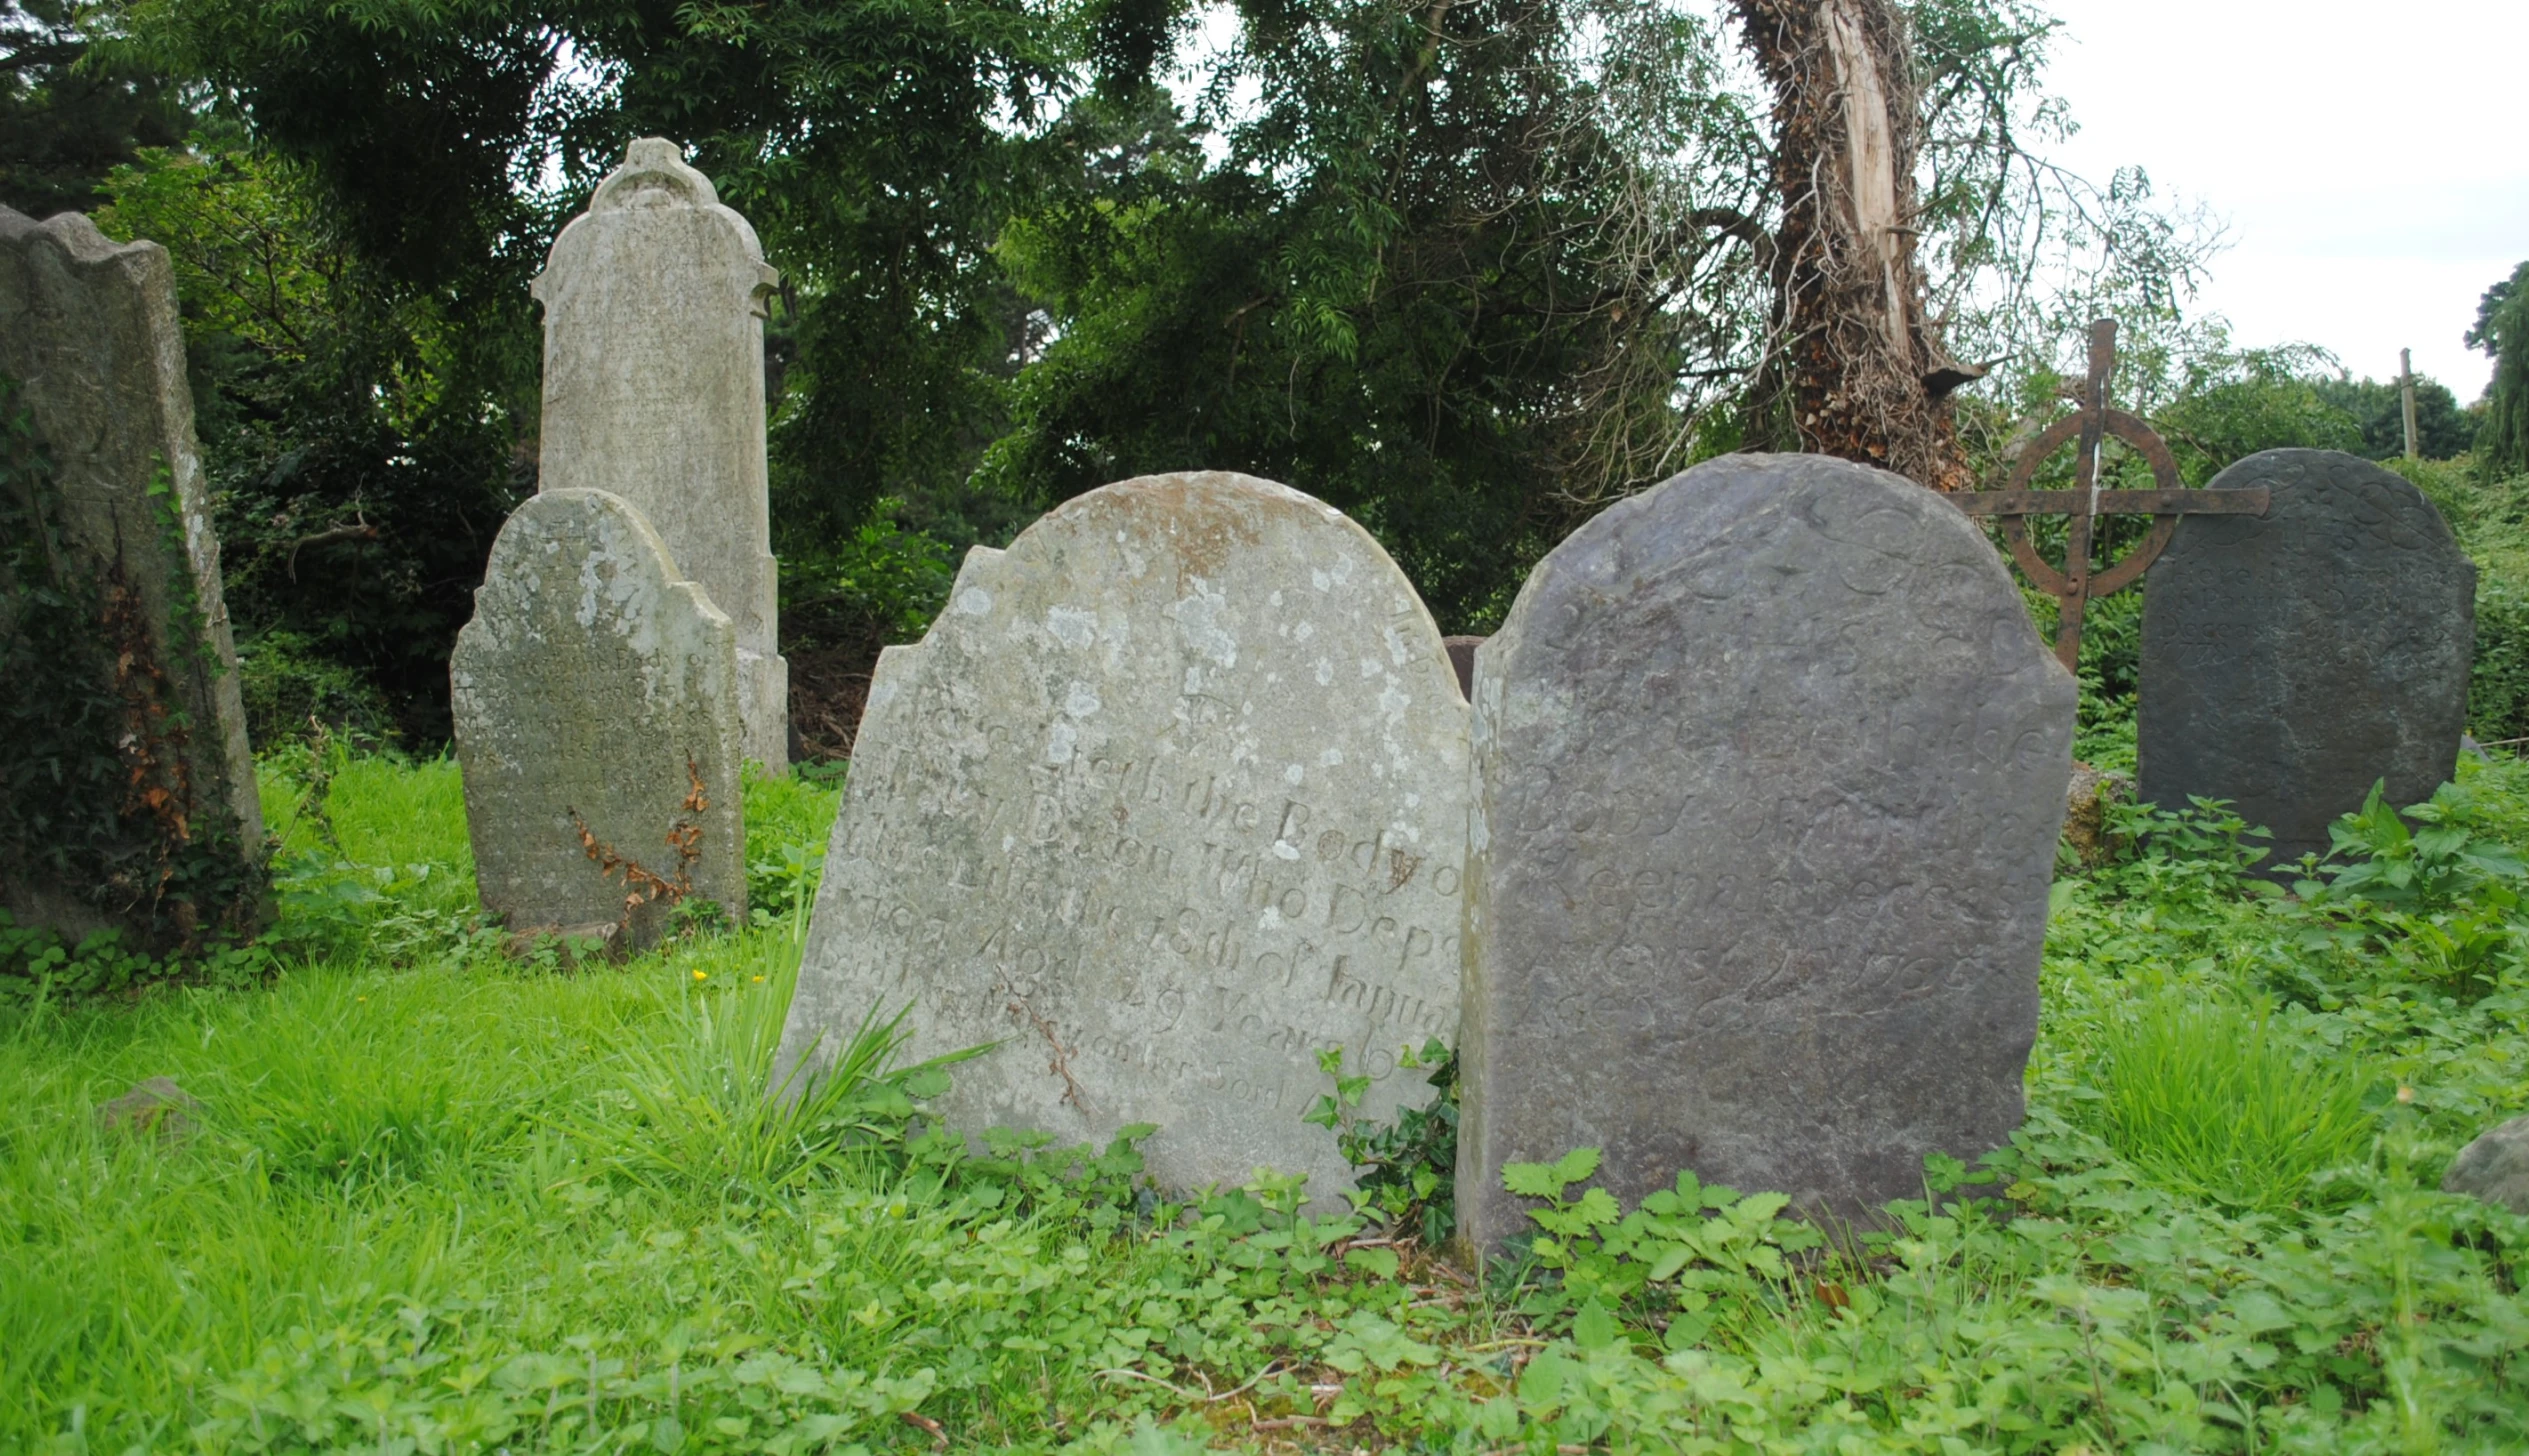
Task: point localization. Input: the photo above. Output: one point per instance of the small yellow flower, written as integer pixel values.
(2405, 1093)
(702, 976)
(759, 979)
(359, 998)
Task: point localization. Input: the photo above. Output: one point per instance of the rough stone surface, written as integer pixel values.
(654, 390)
(2086, 802)
(2495, 1167)
(1171, 797)
(157, 1106)
(2292, 660)
(88, 329)
(596, 704)
(1769, 768)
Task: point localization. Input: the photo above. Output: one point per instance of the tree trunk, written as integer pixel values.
(1864, 370)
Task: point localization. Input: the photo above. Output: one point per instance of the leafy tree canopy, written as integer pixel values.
(2442, 428)
(2502, 330)
(1468, 270)
(63, 125)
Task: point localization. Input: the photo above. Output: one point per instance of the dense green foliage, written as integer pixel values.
(2502, 330)
(1468, 272)
(65, 120)
(359, 436)
(2491, 520)
(2442, 428)
(417, 160)
(436, 1202)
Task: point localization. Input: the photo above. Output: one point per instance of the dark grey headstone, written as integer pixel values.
(1462, 660)
(1770, 764)
(2292, 660)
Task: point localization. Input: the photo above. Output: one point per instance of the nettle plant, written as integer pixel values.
(2430, 887)
(1667, 1261)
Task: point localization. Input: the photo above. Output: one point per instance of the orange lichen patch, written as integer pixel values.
(1200, 524)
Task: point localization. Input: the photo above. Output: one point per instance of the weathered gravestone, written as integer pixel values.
(654, 390)
(1769, 767)
(127, 791)
(2290, 661)
(1171, 797)
(596, 721)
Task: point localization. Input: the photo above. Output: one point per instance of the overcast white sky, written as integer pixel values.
(2372, 160)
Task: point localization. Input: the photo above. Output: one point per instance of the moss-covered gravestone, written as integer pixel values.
(127, 791)
(596, 705)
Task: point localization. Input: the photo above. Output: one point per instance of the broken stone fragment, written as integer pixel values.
(2495, 1167)
(157, 1106)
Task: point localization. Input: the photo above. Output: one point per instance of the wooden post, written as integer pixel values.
(2406, 396)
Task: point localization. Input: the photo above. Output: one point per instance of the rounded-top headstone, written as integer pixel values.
(1170, 798)
(1770, 764)
(595, 697)
(2292, 660)
(654, 390)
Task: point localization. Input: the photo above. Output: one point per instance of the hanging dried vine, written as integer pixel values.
(97, 797)
(643, 886)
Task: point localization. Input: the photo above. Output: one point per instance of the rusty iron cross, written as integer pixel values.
(2076, 585)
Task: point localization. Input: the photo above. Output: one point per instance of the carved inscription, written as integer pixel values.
(1171, 798)
(1770, 765)
(2292, 660)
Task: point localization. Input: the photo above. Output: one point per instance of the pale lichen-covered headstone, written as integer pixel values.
(1170, 798)
(1770, 764)
(118, 528)
(654, 390)
(2292, 660)
(596, 721)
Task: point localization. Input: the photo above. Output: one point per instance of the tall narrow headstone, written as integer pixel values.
(596, 721)
(2292, 660)
(120, 531)
(1769, 766)
(1170, 799)
(654, 391)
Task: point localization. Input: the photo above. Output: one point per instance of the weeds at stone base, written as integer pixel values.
(440, 1204)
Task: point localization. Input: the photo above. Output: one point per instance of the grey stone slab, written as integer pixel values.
(1171, 797)
(596, 705)
(2494, 1167)
(88, 329)
(654, 390)
(2292, 660)
(1769, 766)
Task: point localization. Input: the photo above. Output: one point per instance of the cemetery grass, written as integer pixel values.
(435, 1200)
